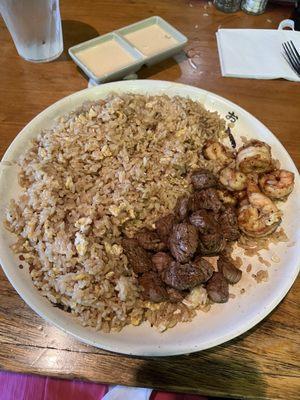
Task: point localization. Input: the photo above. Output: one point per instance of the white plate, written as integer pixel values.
(224, 321)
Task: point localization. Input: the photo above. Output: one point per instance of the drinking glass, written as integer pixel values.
(35, 26)
(228, 6)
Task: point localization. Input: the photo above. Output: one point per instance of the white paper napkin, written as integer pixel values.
(127, 393)
(255, 53)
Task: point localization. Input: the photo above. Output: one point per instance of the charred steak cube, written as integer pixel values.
(149, 240)
(217, 288)
(183, 242)
(153, 287)
(204, 221)
(211, 244)
(229, 270)
(182, 207)
(138, 258)
(203, 179)
(205, 267)
(164, 227)
(207, 199)
(161, 261)
(186, 276)
(229, 224)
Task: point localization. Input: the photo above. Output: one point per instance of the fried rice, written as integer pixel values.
(101, 172)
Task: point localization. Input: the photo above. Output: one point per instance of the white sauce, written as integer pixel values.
(105, 58)
(151, 40)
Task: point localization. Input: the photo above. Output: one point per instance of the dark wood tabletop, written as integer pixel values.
(261, 364)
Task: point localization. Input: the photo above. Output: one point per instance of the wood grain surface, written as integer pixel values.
(261, 364)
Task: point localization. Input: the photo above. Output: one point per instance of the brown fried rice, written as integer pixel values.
(103, 171)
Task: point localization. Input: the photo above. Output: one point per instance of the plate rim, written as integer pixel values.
(155, 351)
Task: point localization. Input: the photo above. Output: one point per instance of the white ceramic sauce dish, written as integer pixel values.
(122, 52)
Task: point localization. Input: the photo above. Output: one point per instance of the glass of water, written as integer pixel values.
(35, 26)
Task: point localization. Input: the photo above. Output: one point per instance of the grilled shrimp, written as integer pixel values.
(260, 217)
(277, 184)
(232, 179)
(216, 151)
(254, 157)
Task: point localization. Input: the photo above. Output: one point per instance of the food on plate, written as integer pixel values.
(182, 208)
(212, 243)
(131, 207)
(232, 179)
(150, 240)
(226, 197)
(255, 156)
(218, 288)
(161, 261)
(229, 270)
(258, 216)
(153, 288)
(139, 259)
(186, 276)
(277, 184)
(229, 224)
(203, 179)
(183, 241)
(204, 221)
(207, 199)
(216, 151)
(174, 295)
(164, 226)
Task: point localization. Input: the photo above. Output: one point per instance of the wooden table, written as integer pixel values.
(261, 364)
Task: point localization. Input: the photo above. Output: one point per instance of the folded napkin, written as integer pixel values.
(256, 53)
(127, 393)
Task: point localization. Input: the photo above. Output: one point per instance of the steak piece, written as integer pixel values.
(182, 276)
(229, 270)
(175, 296)
(229, 224)
(211, 244)
(182, 207)
(138, 258)
(161, 261)
(183, 242)
(203, 179)
(149, 240)
(204, 221)
(164, 227)
(207, 199)
(217, 288)
(153, 287)
(205, 267)
(186, 276)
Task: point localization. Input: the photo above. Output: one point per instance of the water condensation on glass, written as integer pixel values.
(35, 26)
(227, 5)
(254, 6)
